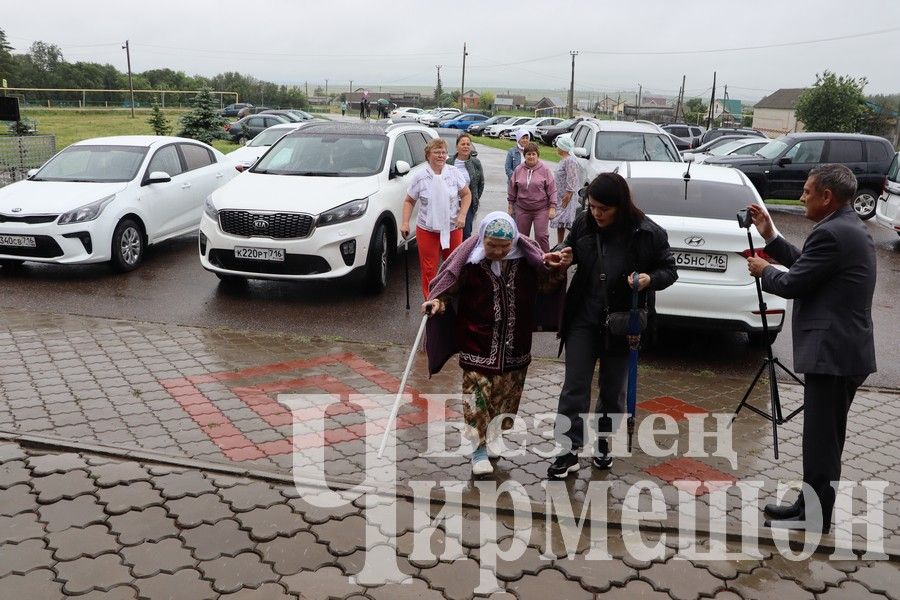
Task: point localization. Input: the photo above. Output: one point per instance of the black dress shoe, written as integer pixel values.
(780, 512)
(797, 522)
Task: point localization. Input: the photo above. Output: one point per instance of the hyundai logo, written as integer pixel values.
(17, 210)
(694, 240)
(260, 224)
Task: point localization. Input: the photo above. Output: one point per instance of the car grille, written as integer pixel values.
(30, 219)
(45, 247)
(279, 226)
(294, 264)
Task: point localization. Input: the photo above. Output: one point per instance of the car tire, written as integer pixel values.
(378, 260)
(864, 203)
(127, 246)
(241, 140)
(758, 338)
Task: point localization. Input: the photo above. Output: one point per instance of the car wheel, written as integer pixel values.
(127, 246)
(758, 338)
(864, 204)
(378, 260)
(241, 140)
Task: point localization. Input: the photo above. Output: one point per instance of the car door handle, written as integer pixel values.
(185, 186)
(219, 175)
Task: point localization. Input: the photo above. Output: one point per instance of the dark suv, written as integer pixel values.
(689, 135)
(779, 169)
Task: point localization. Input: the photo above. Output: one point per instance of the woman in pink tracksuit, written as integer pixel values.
(532, 197)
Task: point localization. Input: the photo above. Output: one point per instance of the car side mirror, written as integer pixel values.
(580, 152)
(401, 167)
(247, 143)
(784, 160)
(31, 173)
(158, 177)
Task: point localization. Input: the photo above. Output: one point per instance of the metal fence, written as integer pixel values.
(20, 154)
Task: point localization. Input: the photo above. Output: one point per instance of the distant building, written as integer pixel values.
(729, 110)
(509, 102)
(550, 106)
(648, 101)
(471, 100)
(776, 115)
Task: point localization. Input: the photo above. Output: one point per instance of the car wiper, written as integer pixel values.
(317, 173)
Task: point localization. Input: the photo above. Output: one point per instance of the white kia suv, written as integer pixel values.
(324, 201)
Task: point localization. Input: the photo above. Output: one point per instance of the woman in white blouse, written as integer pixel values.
(444, 197)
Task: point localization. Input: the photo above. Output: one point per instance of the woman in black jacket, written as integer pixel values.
(610, 240)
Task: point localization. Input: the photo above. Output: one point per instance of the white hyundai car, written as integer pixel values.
(699, 213)
(107, 199)
(325, 201)
(887, 209)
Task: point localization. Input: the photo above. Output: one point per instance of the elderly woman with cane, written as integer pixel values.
(610, 242)
(444, 197)
(484, 303)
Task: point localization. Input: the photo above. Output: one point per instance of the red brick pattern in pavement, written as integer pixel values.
(680, 470)
(237, 447)
(673, 407)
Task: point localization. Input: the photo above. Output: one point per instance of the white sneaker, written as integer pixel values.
(482, 466)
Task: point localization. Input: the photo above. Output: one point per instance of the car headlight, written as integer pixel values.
(210, 210)
(88, 212)
(344, 212)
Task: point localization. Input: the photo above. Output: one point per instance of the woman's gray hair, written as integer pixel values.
(837, 178)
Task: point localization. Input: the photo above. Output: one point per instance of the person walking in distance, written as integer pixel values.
(516, 155)
(532, 196)
(831, 281)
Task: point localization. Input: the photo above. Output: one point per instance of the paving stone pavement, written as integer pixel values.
(77, 522)
(308, 556)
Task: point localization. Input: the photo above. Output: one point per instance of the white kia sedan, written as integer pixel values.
(324, 201)
(107, 199)
(714, 289)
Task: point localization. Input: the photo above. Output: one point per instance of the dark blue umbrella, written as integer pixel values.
(634, 342)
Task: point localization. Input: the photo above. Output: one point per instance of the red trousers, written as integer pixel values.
(430, 252)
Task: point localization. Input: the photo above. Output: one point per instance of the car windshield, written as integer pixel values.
(495, 120)
(93, 164)
(894, 171)
(704, 199)
(623, 145)
(567, 123)
(325, 155)
(772, 149)
(268, 137)
(726, 147)
(536, 121)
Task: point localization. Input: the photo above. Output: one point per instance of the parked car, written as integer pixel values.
(604, 145)
(730, 149)
(779, 169)
(887, 211)
(450, 136)
(249, 127)
(478, 128)
(244, 157)
(405, 113)
(712, 134)
(463, 121)
(323, 202)
(690, 134)
(290, 115)
(714, 289)
(232, 110)
(434, 119)
(107, 199)
(495, 131)
(705, 149)
(252, 110)
(531, 126)
(549, 133)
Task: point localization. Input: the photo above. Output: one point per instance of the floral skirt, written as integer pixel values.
(565, 217)
(487, 396)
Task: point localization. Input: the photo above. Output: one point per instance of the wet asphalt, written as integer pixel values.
(171, 287)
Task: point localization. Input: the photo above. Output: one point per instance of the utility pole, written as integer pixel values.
(462, 83)
(573, 53)
(712, 103)
(351, 86)
(438, 91)
(639, 99)
(326, 88)
(680, 107)
(127, 49)
(306, 88)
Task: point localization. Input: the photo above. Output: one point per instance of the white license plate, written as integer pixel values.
(19, 241)
(701, 261)
(269, 254)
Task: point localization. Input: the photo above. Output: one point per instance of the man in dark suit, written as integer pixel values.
(831, 281)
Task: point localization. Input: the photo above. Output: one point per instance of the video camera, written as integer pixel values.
(744, 218)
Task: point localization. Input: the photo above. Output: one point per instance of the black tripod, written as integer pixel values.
(769, 362)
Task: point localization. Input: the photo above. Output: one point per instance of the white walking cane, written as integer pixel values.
(409, 363)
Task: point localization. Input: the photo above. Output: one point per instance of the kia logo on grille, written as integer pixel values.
(17, 210)
(260, 224)
(694, 240)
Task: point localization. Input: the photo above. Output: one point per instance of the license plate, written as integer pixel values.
(18, 241)
(701, 261)
(268, 254)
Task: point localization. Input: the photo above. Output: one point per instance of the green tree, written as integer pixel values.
(203, 122)
(833, 104)
(158, 120)
(7, 63)
(486, 100)
(695, 110)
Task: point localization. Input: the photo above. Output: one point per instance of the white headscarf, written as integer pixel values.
(438, 216)
(478, 253)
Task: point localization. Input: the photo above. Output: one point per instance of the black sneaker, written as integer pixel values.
(563, 465)
(602, 461)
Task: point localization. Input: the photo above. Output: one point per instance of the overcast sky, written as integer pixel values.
(521, 44)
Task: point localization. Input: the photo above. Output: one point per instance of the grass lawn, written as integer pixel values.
(783, 201)
(547, 153)
(73, 125)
